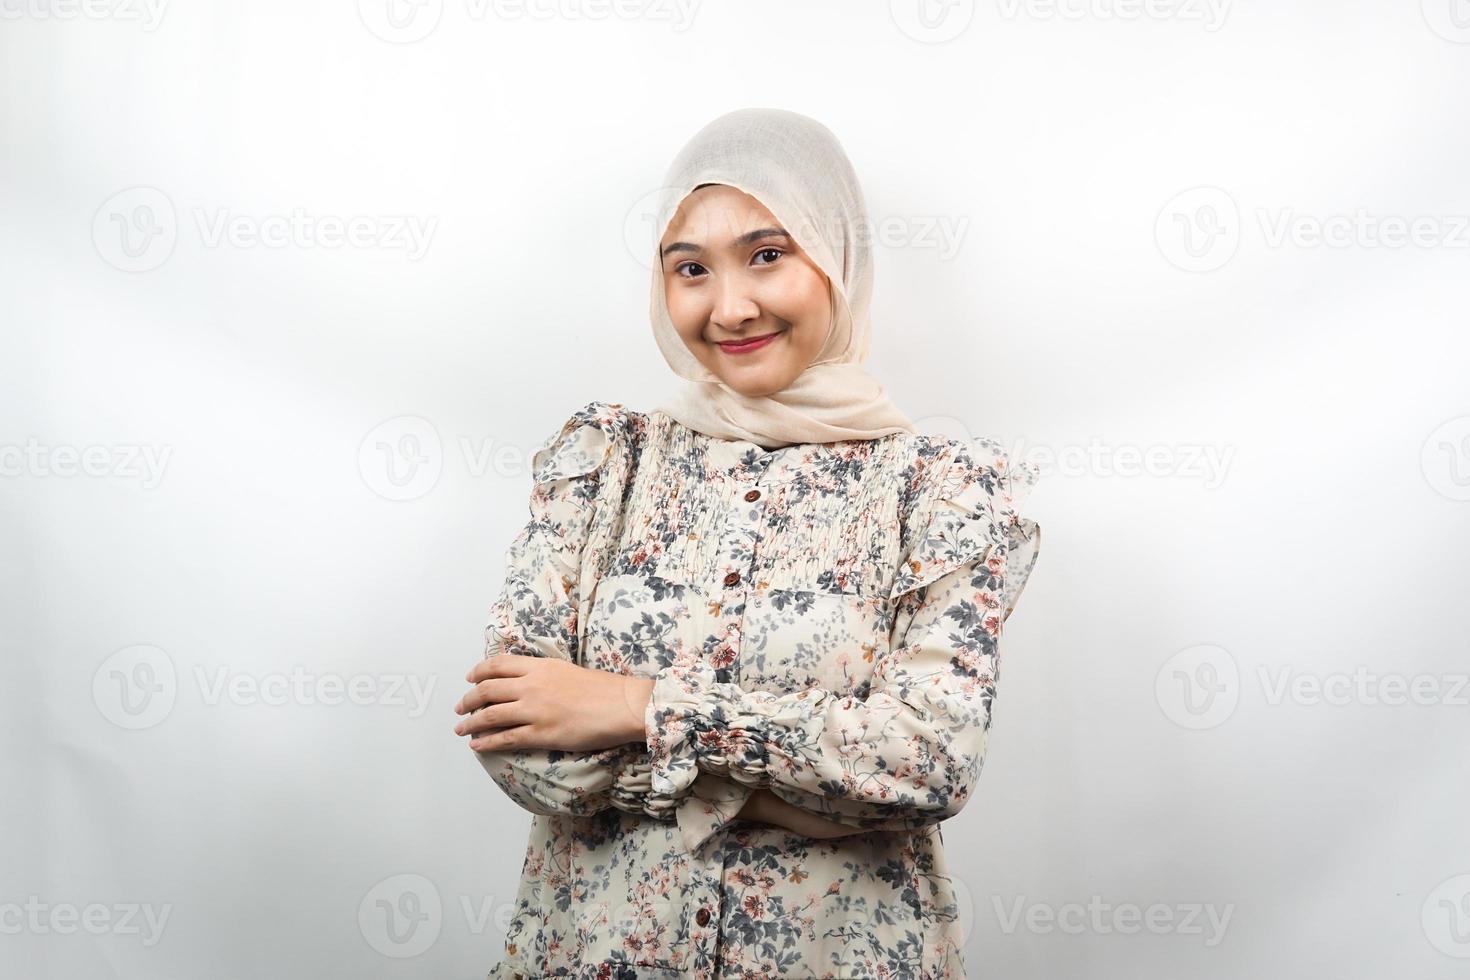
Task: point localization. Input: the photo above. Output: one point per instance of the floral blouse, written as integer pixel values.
(823, 620)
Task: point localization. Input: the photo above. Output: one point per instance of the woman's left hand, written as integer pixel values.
(520, 702)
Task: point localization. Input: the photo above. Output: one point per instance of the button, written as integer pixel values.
(753, 495)
(702, 917)
(732, 579)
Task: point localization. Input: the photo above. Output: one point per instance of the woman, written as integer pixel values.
(744, 659)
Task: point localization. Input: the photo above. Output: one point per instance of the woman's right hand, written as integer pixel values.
(763, 806)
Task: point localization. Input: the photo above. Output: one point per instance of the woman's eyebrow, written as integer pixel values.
(749, 238)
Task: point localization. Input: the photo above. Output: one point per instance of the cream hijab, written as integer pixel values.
(795, 167)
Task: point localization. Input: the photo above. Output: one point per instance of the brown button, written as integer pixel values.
(702, 917)
(511, 949)
(732, 579)
(753, 495)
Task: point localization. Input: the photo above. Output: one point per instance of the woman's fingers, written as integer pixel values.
(493, 716)
(500, 665)
(496, 690)
(521, 736)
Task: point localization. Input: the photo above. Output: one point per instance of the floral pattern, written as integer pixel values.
(823, 620)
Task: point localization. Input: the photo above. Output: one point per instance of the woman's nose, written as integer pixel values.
(734, 305)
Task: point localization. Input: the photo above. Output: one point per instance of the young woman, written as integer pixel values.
(744, 660)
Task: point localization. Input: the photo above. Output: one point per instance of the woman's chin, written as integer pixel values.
(755, 384)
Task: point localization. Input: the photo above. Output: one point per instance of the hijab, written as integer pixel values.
(797, 169)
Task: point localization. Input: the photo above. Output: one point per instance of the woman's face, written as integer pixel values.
(732, 275)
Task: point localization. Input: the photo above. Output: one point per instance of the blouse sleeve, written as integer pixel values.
(908, 754)
(536, 615)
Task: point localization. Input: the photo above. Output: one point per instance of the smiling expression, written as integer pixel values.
(743, 296)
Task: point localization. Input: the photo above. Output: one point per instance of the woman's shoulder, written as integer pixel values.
(966, 494)
(946, 467)
(588, 439)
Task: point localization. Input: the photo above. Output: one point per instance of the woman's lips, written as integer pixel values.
(744, 347)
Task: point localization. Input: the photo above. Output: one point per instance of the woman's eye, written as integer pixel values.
(689, 269)
(776, 252)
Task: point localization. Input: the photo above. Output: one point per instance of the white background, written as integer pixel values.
(1230, 238)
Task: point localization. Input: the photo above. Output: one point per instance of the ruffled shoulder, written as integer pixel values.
(583, 443)
(969, 508)
(585, 461)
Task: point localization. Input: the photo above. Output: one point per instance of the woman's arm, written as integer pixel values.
(566, 705)
(537, 614)
(905, 756)
(765, 807)
(909, 753)
(535, 617)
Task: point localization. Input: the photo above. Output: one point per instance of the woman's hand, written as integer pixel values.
(763, 806)
(520, 702)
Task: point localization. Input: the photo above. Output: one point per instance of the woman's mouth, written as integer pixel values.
(745, 346)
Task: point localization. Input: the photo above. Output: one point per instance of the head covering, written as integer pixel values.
(797, 169)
